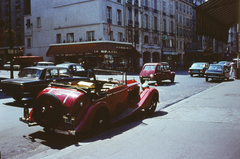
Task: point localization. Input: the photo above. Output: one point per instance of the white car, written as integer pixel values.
(7, 66)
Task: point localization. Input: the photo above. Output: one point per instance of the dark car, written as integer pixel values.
(33, 80)
(217, 72)
(227, 63)
(90, 105)
(198, 68)
(77, 69)
(156, 72)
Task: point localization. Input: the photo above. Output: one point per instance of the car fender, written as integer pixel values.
(146, 97)
(87, 119)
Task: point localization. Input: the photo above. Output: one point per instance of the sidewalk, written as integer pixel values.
(205, 125)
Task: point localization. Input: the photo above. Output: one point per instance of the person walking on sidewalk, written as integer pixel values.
(232, 70)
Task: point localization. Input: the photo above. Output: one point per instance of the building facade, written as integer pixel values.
(11, 16)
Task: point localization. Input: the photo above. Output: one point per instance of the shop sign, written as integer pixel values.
(123, 47)
(109, 29)
(170, 53)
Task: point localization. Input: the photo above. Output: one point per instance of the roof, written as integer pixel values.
(88, 48)
(215, 17)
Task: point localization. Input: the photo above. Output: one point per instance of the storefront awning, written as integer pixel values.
(215, 17)
(89, 48)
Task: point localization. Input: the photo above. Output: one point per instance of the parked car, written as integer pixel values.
(217, 72)
(227, 63)
(33, 80)
(77, 69)
(94, 104)
(8, 65)
(44, 63)
(156, 72)
(198, 68)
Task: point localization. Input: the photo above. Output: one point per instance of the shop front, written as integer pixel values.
(100, 54)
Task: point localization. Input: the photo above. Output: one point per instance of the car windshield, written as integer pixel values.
(215, 68)
(222, 62)
(198, 65)
(30, 73)
(112, 76)
(149, 67)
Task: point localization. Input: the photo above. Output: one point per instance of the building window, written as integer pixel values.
(119, 1)
(29, 42)
(146, 39)
(136, 17)
(130, 36)
(109, 14)
(146, 3)
(180, 19)
(155, 40)
(28, 24)
(164, 6)
(119, 12)
(90, 36)
(70, 37)
(155, 23)
(171, 43)
(176, 5)
(38, 22)
(59, 38)
(120, 36)
(164, 25)
(155, 4)
(145, 21)
(136, 37)
(18, 22)
(130, 16)
(111, 36)
(172, 27)
(171, 9)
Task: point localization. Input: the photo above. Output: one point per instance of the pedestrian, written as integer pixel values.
(232, 70)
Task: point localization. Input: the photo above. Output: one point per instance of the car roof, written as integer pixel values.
(44, 67)
(68, 64)
(160, 63)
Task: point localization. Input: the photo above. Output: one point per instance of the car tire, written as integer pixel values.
(191, 74)
(47, 110)
(206, 79)
(151, 109)
(101, 120)
(142, 81)
(172, 79)
(159, 82)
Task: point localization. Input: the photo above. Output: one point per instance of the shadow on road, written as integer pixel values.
(21, 104)
(60, 141)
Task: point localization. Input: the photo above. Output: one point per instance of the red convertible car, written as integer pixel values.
(90, 105)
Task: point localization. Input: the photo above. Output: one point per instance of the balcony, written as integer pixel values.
(119, 23)
(155, 10)
(164, 13)
(109, 20)
(129, 1)
(130, 22)
(136, 23)
(136, 2)
(146, 7)
(146, 29)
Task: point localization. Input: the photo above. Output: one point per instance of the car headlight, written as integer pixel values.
(151, 75)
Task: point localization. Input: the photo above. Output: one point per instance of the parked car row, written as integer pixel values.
(220, 71)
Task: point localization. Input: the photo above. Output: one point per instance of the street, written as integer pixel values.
(20, 141)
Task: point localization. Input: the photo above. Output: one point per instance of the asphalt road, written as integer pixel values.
(20, 141)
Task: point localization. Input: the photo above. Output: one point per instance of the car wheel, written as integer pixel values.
(101, 120)
(159, 82)
(142, 81)
(47, 110)
(151, 109)
(172, 79)
(206, 79)
(191, 74)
